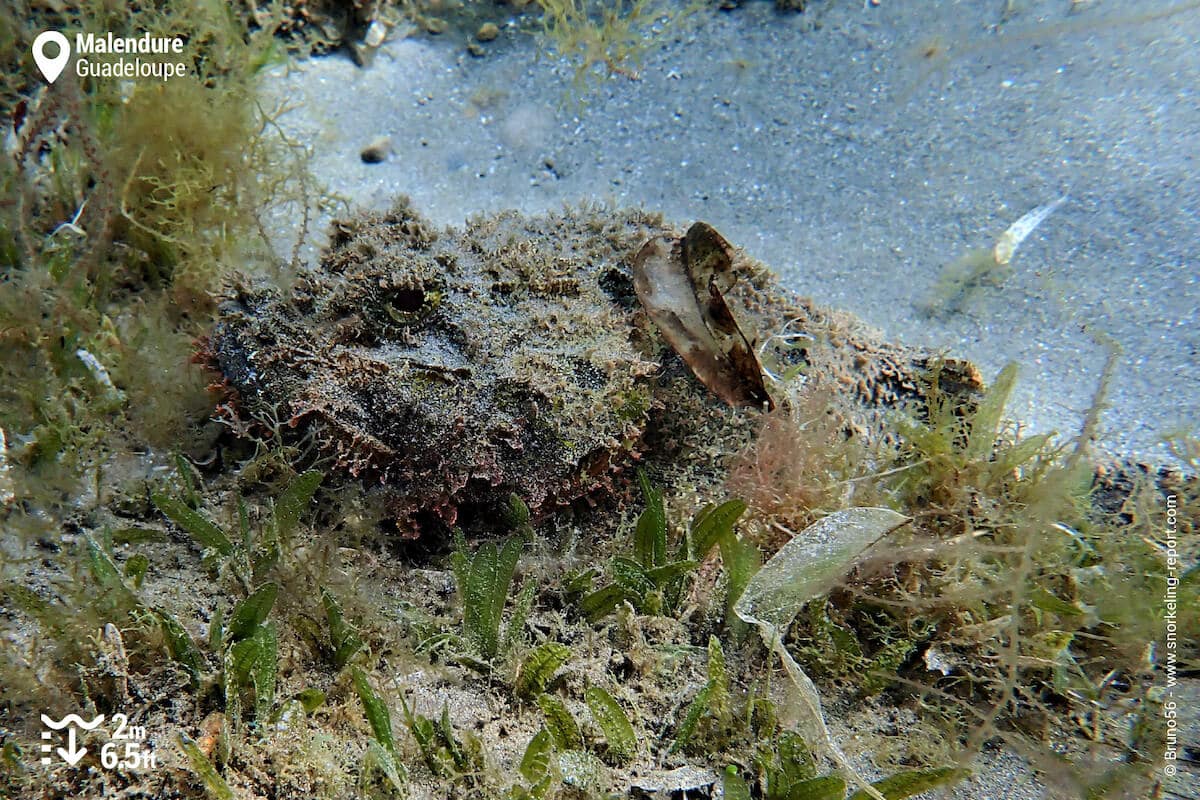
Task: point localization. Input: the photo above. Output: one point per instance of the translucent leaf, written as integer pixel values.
(581, 581)
(827, 787)
(206, 534)
(343, 637)
(379, 764)
(231, 685)
(250, 613)
(516, 513)
(426, 735)
(908, 784)
(811, 563)
(804, 569)
(713, 524)
(650, 539)
(1046, 601)
(239, 661)
(376, 711)
(515, 631)
(734, 786)
(295, 501)
(618, 732)
(187, 473)
(559, 722)
(718, 683)
(214, 784)
(477, 600)
(244, 524)
(451, 743)
(135, 535)
(486, 591)
(135, 568)
(264, 672)
(539, 668)
(1008, 242)
(632, 577)
(664, 576)
(105, 572)
(535, 764)
(460, 563)
(216, 630)
(1021, 453)
(602, 602)
(741, 560)
(796, 764)
(180, 646)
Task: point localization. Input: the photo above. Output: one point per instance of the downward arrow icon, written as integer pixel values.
(70, 754)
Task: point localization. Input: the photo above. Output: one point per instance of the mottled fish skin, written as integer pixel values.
(450, 369)
(453, 368)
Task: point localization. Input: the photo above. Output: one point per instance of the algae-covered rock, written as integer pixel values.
(455, 367)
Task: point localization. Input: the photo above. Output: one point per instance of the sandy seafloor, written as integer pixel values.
(827, 146)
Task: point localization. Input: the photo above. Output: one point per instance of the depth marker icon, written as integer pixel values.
(70, 754)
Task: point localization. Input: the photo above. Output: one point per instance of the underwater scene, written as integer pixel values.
(571, 399)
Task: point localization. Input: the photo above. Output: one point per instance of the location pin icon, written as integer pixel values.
(51, 67)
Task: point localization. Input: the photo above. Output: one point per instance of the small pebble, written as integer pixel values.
(376, 33)
(435, 25)
(377, 151)
(487, 32)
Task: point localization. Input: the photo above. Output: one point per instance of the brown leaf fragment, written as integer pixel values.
(681, 284)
